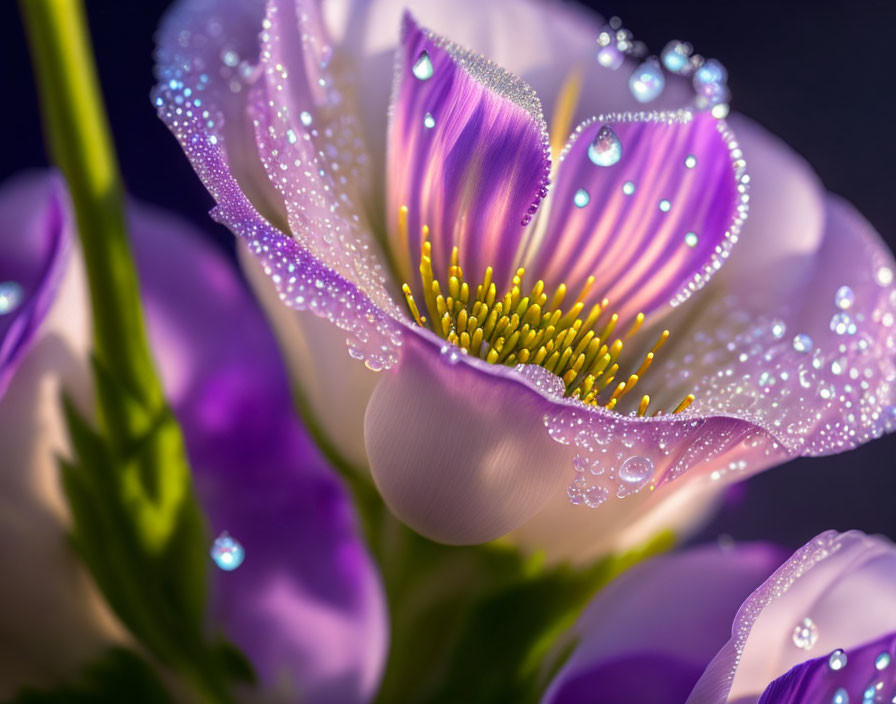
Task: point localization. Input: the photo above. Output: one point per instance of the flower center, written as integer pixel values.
(523, 328)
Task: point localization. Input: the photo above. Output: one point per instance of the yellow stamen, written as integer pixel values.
(519, 328)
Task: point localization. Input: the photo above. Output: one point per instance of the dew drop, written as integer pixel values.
(690, 239)
(844, 298)
(423, 66)
(882, 661)
(664, 205)
(840, 697)
(690, 161)
(610, 57)
(306, 118)
(227, 553)
(581, 198)
(805, 634)
(606, 149)
(779, 327)
(710, 73)
(676, 56)
(837, 660)
(11, 296)
(647, 81)
(884, 276)
(594, 496)
(842, 324)
(429, 121)
(636, 469)
(802, 343)
(628, 188)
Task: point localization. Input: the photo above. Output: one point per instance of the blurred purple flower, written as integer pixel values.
(281, 108)
(715, 625)
(307, 605)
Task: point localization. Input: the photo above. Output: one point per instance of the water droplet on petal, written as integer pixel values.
(837, 660)
(610, 57)
(306, 118)
(423, 67)
(581, 198)
(647, 81)
(690, 161)
(594, 496)
(720, 111)
(676, 56)
(802, 343)
(842, 324)
(711, 72)
(805, 634)
(779, 327)
(882, 661)
(628, 188)
(844, 298)
(884, 276)
(11, 296)
(429, 121)
(636, 470)
(840, 697)
(690, 239)
(606, 149)
(665, 205)
(227, 553)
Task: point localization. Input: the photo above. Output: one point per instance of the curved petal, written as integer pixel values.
(629, 630)
(306, 606)
(868, 673)
(647, 204)
(48, 597)
(452, 448)
(467, 155)
(845, 584)
(33, 252)
(200, 64)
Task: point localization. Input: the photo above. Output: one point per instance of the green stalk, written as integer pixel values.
(78, 133)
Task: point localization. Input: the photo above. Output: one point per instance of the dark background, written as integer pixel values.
(820, 75)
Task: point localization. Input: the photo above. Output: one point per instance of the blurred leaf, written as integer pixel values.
(480, 623)
(120, 676)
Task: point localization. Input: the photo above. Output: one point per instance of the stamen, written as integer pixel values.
(522, 328)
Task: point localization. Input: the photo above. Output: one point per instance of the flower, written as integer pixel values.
(714, 625)
(784, 352)
(307, 606)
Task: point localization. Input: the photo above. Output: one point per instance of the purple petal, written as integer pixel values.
(202, 99)
(455, 450)
(306, 605)
(666, 618)
(467, 155)
(647, 204)
(845, 584)
(869, 674)
(34, 250)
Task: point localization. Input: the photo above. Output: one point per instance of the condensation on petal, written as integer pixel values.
(667, 199)
(206, 53)
(842, 583)
(868, 673)
(477, 176)
(455, 449)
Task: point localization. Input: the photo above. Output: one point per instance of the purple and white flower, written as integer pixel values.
(713, 625)
(485, 411)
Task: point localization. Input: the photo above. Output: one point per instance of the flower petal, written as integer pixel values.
(868, 671)
(844, 583)
(306, 605)
(198, 43)
(454, 449)
(629, 631)
(33, 254)
(468, 156)
(648, 204)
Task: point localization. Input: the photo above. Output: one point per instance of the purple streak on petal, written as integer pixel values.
(667, 616)
(306, 605)
(642, 257)
(193, 46)
(477, 173)
(865, 672)
(35, 241)
(845, 583)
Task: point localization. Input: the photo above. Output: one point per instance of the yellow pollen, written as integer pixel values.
(522, 327)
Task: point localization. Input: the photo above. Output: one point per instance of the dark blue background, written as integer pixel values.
(818, 74)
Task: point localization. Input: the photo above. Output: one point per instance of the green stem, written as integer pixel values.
(80, 140)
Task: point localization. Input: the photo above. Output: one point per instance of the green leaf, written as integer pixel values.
(119, 676)
(480, 623)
